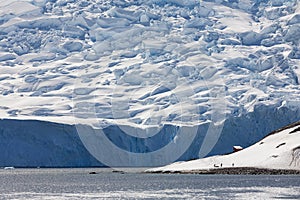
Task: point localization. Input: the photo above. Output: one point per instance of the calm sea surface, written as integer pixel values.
(80, 184)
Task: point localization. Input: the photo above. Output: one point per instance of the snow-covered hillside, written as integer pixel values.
(228, 69)
(280, 150)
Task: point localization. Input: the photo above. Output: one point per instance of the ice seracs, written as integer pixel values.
(53, 49)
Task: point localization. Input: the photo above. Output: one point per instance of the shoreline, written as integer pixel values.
(234, 171)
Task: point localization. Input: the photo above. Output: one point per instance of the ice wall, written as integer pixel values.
(31, 143)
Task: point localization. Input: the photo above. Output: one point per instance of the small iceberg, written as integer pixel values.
(9, 168)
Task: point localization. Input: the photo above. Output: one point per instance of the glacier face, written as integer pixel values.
(139, 67)
(32, 143)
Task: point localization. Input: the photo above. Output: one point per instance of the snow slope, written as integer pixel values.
(279, 150)
(143, 66)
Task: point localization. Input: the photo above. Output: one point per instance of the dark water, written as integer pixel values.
(79, 184)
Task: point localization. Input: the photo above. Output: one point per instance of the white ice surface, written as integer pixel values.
(144, 63)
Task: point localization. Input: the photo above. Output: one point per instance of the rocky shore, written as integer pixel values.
(237, 171)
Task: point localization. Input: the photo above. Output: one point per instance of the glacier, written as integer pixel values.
(143, 73)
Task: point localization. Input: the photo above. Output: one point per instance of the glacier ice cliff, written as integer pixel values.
(33, 143)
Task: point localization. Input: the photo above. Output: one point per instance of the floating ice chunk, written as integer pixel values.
(8, 168)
